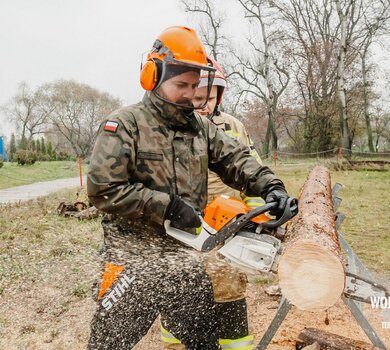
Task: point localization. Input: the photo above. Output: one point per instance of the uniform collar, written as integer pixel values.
(170, 115)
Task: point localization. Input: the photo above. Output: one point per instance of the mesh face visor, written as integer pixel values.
(183, 85)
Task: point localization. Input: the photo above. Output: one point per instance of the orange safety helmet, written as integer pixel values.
(219, 80)
(175, 46)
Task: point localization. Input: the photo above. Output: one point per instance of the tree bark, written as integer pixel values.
(365, 94)
(267, 139)
(345, 133)
(311, 273)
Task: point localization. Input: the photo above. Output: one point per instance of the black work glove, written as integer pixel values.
(279, 195)
(182, 214)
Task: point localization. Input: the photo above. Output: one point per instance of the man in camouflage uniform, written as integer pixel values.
(229, 283)
(149, 164)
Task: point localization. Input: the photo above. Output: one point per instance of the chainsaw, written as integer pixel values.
(247, 238)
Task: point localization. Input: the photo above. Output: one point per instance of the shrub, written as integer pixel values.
(43, 157)
(25, 157)
(1, 162)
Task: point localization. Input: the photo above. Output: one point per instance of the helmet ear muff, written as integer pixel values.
(148, 76)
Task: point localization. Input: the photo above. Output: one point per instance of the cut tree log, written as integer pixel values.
(311, 273)
(330, 341)
(313, 346)
(88, 214)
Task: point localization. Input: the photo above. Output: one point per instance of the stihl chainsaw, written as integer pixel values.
(246, 237)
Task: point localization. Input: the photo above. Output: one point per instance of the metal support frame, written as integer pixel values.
(283, 310)
(354, 266)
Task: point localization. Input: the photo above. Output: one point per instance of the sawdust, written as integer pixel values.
(262, 309)
(49, 265)
(42, 318)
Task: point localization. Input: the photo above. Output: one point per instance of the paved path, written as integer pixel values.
(38, 189)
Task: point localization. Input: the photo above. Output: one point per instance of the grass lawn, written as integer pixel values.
(12, 174)
(47, 267)
(48, 263)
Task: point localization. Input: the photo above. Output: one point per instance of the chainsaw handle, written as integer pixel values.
(290, 210)
(202, 241)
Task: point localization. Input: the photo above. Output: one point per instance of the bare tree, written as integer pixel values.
(345, 138)
(324, 39)
(381, 127)
(360, 21)
(313, 46)
(376, 23)
(261, 71)
(209, 25)
(25, 111)
(310, 30)
(76, 112)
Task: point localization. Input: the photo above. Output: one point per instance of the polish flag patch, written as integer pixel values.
(111, 126)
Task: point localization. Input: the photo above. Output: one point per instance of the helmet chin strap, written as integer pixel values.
(215, 112)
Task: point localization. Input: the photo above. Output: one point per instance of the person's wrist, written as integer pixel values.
(273, 188)
(168, 211)
(157, 208)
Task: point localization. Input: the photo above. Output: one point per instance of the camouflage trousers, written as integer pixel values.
(146, 274)
(229, 287)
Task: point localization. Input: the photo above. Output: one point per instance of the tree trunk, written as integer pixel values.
(311, 273)
(271, 133)
(273, 128)
(270, 96)
(345, 133)
(267, 138)
(331, 341)
(365, 94)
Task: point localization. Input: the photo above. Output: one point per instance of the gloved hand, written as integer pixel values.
(277, 194)
(182, 214)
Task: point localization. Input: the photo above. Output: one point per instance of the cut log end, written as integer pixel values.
(310, 276)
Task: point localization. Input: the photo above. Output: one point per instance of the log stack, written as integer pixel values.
(311, 273)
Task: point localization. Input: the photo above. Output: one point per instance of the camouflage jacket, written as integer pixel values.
(148, 150)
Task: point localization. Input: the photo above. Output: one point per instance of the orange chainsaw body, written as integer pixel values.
(224, 209)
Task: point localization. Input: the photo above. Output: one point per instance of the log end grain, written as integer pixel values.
(311, 276)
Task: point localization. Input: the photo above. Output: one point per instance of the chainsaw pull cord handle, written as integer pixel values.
(290, 210)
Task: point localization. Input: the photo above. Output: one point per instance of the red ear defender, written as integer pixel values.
(148, 76)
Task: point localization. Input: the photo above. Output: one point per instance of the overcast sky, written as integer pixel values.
(97, 42)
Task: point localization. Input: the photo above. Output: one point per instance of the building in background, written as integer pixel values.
(3, 153)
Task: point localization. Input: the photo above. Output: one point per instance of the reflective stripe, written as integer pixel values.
(255, 155)
(173, 340)
(233, 134)
(168, 337)
(253, 202)
(245, 343)
(198, 229)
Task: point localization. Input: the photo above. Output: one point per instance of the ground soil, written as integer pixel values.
(44, 320)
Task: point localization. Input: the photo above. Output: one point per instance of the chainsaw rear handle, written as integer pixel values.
(290, 210)
(198, 242)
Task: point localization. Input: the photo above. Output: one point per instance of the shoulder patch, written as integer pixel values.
(110, 126)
